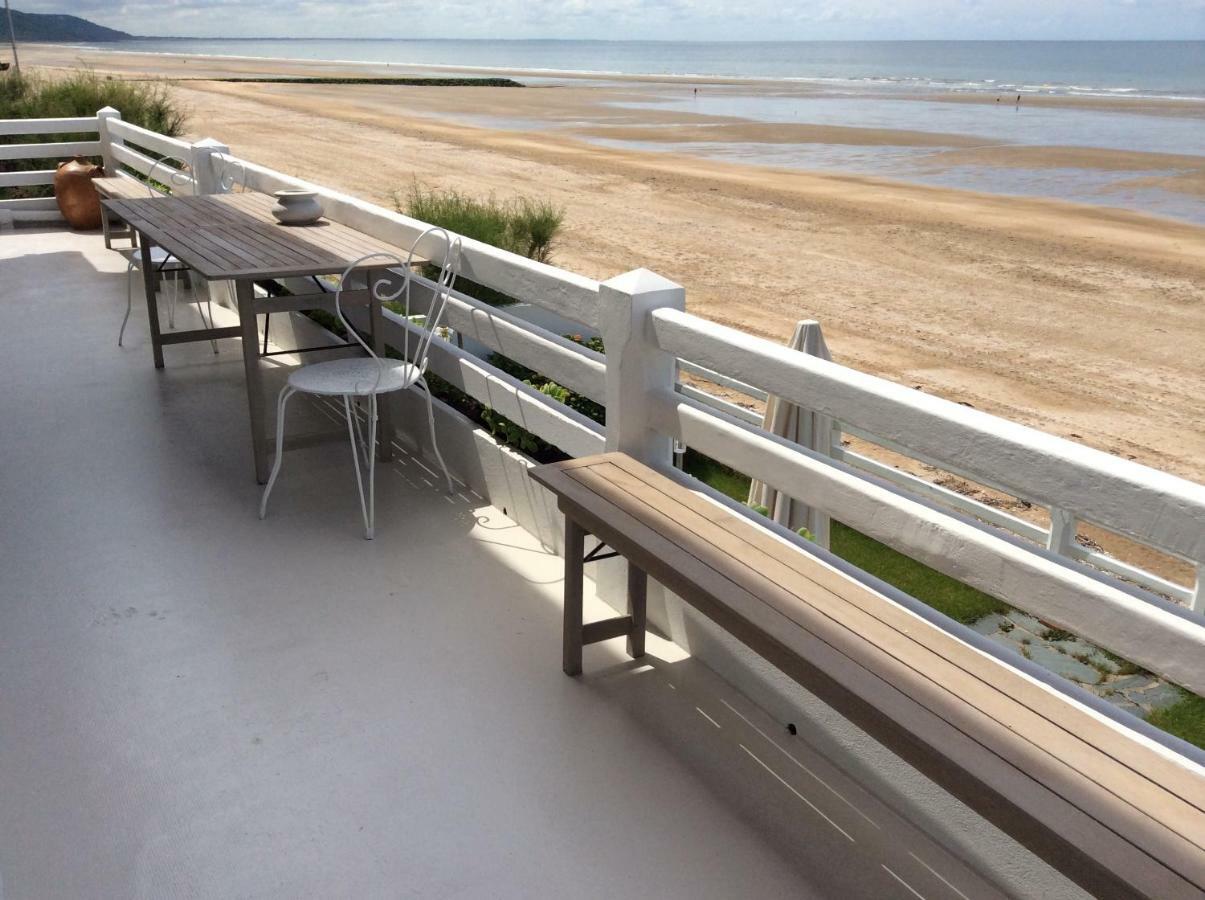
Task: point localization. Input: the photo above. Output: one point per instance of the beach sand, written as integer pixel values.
(1087, 322)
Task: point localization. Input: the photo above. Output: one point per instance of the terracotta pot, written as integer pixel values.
(76, 196)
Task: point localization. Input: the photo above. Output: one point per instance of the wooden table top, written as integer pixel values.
(234, 236)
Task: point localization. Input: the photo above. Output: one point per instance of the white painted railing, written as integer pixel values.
(1147, 506)
(1060, 537)
(648, 335)
(120, 145)
(40, 209)
(569, 295)
(128, 148)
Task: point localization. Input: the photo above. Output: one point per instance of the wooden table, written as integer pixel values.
(234, 237)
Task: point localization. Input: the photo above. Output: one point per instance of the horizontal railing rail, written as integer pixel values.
(1147, 506)
(76, 125)
(40, 209)
(57, 150)
(149, 140)
(966, 443)
(554, 356)
(523, 404)
(1158, 635)
(174, 177)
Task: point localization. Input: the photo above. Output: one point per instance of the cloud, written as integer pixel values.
(648, 19)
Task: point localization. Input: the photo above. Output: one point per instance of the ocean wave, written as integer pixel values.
(850, 82)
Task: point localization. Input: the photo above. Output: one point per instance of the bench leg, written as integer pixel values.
(638, 590)
(575, 545)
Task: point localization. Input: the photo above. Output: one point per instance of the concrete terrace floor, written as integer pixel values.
(195, 703)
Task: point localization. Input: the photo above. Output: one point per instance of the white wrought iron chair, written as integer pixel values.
(372, 376)
(162, 261)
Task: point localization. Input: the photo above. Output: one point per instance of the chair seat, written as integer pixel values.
(356, 376)
(160, 258)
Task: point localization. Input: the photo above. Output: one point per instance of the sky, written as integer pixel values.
(649, 19)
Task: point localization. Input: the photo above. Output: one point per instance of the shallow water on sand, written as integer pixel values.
(989, 125)
(921, 165)
(1003, 122)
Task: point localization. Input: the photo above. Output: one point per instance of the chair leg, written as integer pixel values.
(371, 454)
(355, 457)
(434, 443)
(129, 301)
(171, 304)
(285, 393)
(192, 288)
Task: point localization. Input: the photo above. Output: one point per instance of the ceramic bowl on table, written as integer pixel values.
(297, 207)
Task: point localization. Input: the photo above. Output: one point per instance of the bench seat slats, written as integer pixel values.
(1079, 780)
(1010, 729)
(1136, 756)
(1164, 781)
(1032, 743)
(119, 187)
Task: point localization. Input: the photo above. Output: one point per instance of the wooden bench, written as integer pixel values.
(1117, 815)
(118, 187)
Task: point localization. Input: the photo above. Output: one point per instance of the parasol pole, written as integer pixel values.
(12, 36)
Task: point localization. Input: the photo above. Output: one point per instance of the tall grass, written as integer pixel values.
(521, 225)
(81, 93)
(149, 104)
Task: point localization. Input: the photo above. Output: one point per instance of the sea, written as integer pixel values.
(863, 84)
(1174, 69)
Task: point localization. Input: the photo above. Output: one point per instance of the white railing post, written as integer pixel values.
(107, 138)
(637, 369)
(1197, 603)
(1062, 531)
(205, 169)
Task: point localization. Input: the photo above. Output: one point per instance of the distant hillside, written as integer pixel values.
(51, 28)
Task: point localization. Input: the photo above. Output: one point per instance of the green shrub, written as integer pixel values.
(521, 225)
(149, 104)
